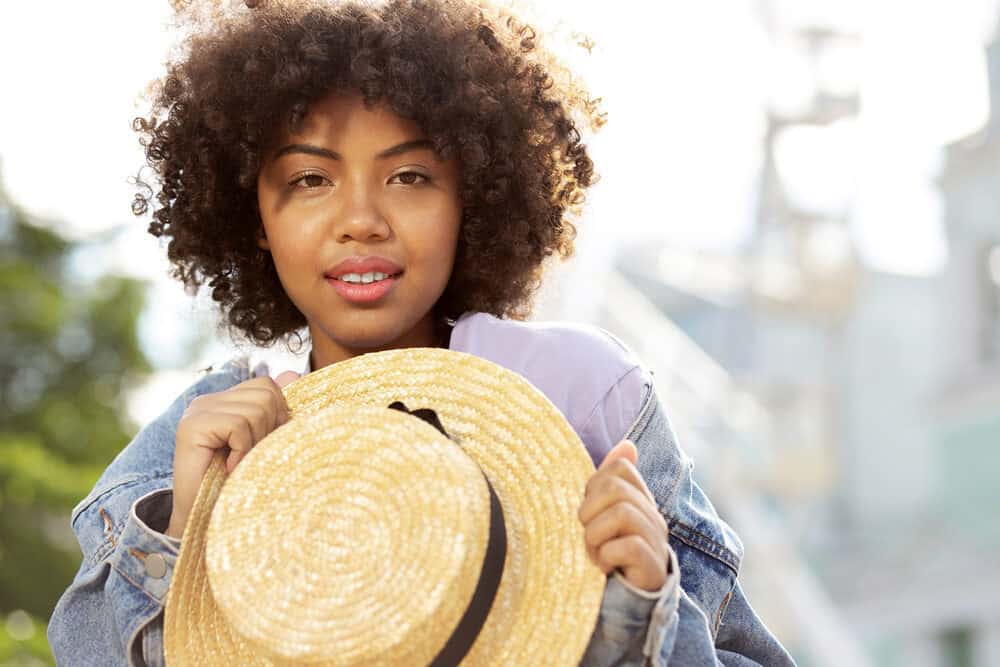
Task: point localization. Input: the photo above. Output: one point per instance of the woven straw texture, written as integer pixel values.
(354, 536)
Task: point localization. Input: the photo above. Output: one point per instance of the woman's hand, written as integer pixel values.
(238, 418)
(623, 529)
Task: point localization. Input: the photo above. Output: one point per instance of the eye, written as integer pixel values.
(410, 178)
(308, 181)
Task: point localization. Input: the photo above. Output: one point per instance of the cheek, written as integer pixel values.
(295, 256)
(452, 226)
(447, 241)
(292, 237)
(433, 232)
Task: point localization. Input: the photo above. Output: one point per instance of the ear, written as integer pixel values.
(262, 241)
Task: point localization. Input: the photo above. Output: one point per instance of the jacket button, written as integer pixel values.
(156, 566)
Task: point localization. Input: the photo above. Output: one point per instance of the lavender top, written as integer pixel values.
(594, 380)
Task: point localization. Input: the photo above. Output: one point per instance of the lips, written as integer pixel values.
(364, 264)
(363, 293)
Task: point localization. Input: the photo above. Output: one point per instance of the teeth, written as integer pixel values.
(365, 278)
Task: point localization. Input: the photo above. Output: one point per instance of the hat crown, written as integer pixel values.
(360, 529)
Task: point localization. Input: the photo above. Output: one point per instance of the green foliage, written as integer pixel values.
(68, 354)
(22, 641)
(35, 474)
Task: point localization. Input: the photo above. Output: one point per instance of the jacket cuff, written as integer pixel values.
(652, 612)
(145, 556)
(145, 559)
(153, 513)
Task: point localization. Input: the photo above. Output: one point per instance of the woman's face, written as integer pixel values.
(361, 218)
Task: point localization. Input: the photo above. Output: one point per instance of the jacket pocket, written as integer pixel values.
(100, 517)
(707, 579)
(722, 612)
(101, 490)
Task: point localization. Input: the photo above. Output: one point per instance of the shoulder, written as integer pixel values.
(143, 466)
(149, 455)
(224, 375)
(565, 346)
(594, 379)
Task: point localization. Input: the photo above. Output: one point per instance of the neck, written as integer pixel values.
(325, 351)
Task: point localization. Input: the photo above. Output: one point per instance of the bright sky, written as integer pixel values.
(679, 157)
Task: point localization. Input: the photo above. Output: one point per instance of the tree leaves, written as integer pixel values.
(69, 351)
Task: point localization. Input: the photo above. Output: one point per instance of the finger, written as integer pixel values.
(624, 449)
(592, 554)
(234, 458)
(237, 433)
(240, 443)
(275, 402)
(619, 520)
(197, 405)
(623, 468)
(611, 489)
(265, 391)
(282, 381)
(229, 430)
(604, 491)
(261, 419)
(637, 560)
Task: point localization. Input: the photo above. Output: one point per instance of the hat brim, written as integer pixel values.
(548, 599)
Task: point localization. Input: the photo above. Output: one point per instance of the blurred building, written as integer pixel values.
(847, 420)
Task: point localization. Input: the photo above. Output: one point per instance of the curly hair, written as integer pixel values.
(474, 79)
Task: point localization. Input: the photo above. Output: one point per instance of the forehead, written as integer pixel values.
(344, 120)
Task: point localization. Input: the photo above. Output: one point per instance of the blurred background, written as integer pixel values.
(797, 228)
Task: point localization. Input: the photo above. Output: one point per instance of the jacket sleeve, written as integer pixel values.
(713, 622)
(669, 628)
(701, 616)
(108, 615)
(122, 582)
(632, 622)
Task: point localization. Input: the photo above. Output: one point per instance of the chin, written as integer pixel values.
(366, 335)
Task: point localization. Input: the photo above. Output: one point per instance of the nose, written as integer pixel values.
(361, 218)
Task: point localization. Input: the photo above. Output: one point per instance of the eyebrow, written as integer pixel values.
(398, 149)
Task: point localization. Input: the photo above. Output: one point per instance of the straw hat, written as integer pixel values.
(356, 534)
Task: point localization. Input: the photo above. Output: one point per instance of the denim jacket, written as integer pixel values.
(112, 612)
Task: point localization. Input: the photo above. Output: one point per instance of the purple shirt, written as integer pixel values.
(594, 380)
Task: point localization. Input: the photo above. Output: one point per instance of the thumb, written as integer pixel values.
(286, 378)
(623, 450)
